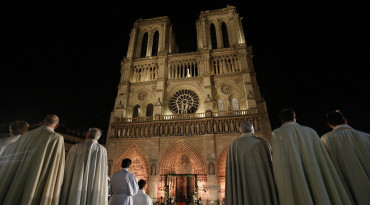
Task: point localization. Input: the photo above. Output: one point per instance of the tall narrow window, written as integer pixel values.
(144, 45)
(155, 43)
(235, 104)
(213, 37)
(136, 111)
(221, 106)
(149, 110)
(225, 36)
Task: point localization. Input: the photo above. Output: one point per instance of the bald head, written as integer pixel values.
(51, 120)
(246, 127)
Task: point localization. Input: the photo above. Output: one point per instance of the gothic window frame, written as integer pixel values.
(221, 105)
(235, 106)
(155, 43)
(144, 45)
(184, 101)
(225, 35)
(213, 36)
(136, 111)
(149, 110)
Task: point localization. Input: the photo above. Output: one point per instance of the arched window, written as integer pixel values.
(221, 106)
(235, 104)
(149, 110)
(136, 111)
(155, 43)
(225, 36)
(144, 45)
(213, 37)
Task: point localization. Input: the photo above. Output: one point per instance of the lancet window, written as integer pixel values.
(213, 37)
(136, 111)
(234, 104)
(221, 106)
(144, 45)
(149, 110)
(155, 43)
(225, 36)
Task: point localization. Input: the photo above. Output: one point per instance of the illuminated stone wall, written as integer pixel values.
(177, 113)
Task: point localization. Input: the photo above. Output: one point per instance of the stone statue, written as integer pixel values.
(232, 127)
(226, 124)
(171, 129)
(153, 169)
(209, 127)
(211, 168)
(151, 130)
(215, 126)
(166, 129)
(197, 130)
(146, 130)
(220, 126)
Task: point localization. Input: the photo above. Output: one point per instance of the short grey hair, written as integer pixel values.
(246, 127)
(51, 119)
(95, 133)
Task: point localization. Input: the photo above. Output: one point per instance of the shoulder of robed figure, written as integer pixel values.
(327, 135)
(311, 130)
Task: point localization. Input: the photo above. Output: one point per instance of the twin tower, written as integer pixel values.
(176, 114)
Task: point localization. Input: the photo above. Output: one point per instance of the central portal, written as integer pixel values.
(181, 188)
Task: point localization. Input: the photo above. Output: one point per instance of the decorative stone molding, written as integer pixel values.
(226, 88)
(142, 95)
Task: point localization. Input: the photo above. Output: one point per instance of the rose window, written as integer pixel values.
(184, 102)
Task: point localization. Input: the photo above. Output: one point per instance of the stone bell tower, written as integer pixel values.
(176, 114)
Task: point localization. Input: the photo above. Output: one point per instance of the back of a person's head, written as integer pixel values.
(126, 163)
(142, 183)
(287, 114)
(18, 127)
(246, 127)
(51, 119)
(94, 133)
(335, 118)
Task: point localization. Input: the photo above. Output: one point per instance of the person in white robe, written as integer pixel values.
(249, 177)
(16, 129)
(303, 171)
(86, 171)
(349, 150)
(31, 171)
(141, 198)
(123, 185)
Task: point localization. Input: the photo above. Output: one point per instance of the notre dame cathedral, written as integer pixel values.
(176, 114)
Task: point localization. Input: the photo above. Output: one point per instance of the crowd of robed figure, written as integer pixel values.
(298, 168)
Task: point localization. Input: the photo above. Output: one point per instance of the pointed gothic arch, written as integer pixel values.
(175, 154)
(213, 36)
(139, 166)
(221, 169)
(225, 35)
(144, 45)
(155, 43)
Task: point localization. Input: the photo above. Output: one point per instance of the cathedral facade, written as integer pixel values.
(176, 114)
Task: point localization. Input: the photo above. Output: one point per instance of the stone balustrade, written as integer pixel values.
(196, 125)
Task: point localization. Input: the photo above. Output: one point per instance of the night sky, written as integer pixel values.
(65, 58)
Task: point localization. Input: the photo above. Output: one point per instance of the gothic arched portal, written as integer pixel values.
(182, 158)
(221, 170)
(139, 166)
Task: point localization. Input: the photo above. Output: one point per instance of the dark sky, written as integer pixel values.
(65, 58)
